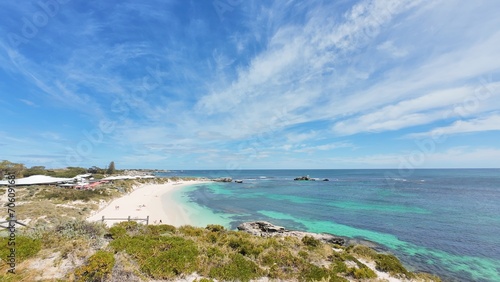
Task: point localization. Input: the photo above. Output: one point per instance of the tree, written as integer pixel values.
(111, 168)
(7, 167)
(93, 169)
(35, 170)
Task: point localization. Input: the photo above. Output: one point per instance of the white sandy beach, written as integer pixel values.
(153, 200)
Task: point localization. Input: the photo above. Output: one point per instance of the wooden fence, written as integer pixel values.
(8, 224)
(128, 219)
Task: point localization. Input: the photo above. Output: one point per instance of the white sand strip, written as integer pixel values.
(153, 200)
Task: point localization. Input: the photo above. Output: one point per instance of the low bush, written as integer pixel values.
(80, 228)
(236, 269)
(310, 241)
(363, 251)
(282, 263)
(160, 257)
(66, 195)
(361, 273)
(244, 246)
(190, 230)
(215, 227)
(97, 268)
(117, 232)
(339, 266)
(156, 230)
(25, 247)
(391, 264)
(311, 272)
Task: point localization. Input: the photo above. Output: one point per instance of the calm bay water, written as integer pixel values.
(445, 222)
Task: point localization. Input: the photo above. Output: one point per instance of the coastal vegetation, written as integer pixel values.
(134, 252)
(20, 170)
(61, 245)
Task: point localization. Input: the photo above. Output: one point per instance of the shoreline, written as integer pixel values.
(153, 200)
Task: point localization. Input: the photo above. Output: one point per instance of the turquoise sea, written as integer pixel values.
(445, 222)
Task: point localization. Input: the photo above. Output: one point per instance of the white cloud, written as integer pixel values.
(411, 112)
(487, 123)
(465, 157)
(391, 49)
(295, 138)
(455, 157)
(295, 69)
(52, 136)
(325, 147)
(28, 102)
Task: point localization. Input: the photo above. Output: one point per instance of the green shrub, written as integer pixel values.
(212, 237)
(391, 264)
(80, 228)
(303, 254)
(97, 268)
(361, 273)
(117, 232)
(363, 251)
(25, 247)
(237, 269)
(160, 229)
(73, 195)
(311, 272)
(310, 241)
(98, 176)
(212, 252)
(129, 225)
(190, 230)
(215, 227)
(244, 245)
(209, 258)
(160, 257)
(281, 262)
(339, 267)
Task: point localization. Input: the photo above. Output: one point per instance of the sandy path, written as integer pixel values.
(154, 200)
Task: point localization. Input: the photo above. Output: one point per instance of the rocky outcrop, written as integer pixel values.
(303, 178)
(267, 229)
(223, 179)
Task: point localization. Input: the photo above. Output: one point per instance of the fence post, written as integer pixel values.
(147, 220)
(129, 218)
(103, 218)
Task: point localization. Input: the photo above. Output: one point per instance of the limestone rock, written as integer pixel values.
(267, 229)
(223, 179)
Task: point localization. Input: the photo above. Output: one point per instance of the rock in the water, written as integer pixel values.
(302, 178)
(267, 229)
(223, 179)
(326, 179)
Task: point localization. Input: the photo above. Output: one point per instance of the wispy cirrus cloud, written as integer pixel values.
(487, 123)
(411, 112)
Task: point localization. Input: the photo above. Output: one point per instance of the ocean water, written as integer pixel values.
(445, 222)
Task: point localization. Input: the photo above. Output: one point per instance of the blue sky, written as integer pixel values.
(231, 84)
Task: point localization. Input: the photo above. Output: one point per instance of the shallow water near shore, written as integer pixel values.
(440, 221)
